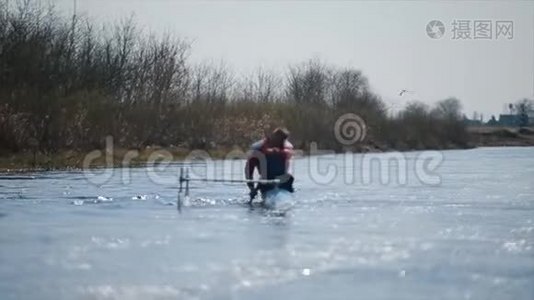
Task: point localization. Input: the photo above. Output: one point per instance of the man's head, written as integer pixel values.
(279, 136)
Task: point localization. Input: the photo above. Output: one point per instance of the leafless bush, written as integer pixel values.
(66, 83)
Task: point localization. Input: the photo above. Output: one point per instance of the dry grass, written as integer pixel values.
(501, 136)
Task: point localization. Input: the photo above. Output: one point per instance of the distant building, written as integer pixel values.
(515, 120)
(492, 122)
(470, 122)
(509, 120)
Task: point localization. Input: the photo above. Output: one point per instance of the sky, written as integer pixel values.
(386, 40)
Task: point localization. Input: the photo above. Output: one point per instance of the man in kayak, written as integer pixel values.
(271, 156)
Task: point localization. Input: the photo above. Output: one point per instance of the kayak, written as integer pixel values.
(278, 199)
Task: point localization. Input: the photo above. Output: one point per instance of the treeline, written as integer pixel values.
(66, 83)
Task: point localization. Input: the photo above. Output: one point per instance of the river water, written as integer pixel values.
(462, 228)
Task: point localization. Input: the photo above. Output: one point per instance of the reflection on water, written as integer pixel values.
(469, 238)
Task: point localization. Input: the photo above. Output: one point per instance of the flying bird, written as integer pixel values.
(402, 92)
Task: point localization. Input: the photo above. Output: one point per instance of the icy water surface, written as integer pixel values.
(470, 236)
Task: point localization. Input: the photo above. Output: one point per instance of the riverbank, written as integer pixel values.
(501, 136)
(72, 159)
(76, 160)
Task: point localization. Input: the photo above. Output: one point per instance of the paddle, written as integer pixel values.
(185, 179)
(253, 194)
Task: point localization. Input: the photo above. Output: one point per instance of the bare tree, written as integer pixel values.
(212, 83)
(308, 83)
(524, 108)
(262, 86)
(349, 87)
(449, 109)
(267, 86)
(67, 83)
